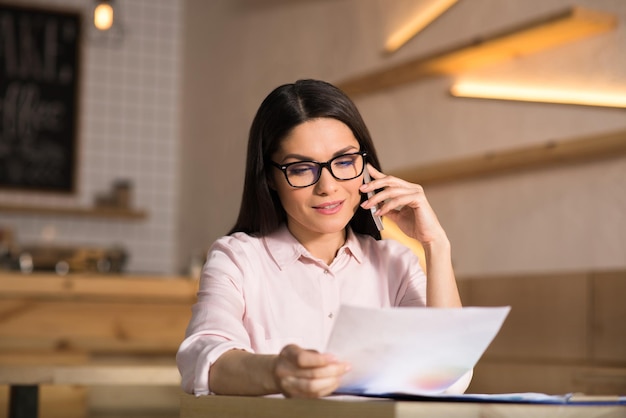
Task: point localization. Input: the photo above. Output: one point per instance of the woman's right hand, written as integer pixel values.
(301, 373)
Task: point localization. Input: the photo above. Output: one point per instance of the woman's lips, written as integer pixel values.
(329, 208)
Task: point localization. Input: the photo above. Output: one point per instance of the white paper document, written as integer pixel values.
(420, 351)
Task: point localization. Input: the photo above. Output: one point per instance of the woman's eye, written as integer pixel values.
(344, 162)
(299, 170)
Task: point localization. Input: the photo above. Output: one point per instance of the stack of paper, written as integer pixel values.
(421, 351)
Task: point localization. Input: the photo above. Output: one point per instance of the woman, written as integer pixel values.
(305, 243)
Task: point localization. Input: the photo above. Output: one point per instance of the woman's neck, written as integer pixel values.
(322, 246)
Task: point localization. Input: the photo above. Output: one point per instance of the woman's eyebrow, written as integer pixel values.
(345, 150)
(306, 158)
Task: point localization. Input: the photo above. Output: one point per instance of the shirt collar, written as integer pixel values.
(285, 249)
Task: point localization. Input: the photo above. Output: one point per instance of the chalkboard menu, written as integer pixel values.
(39, 63)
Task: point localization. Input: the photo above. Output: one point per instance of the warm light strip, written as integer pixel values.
(543, 94)
(419, 22)
(569, 25)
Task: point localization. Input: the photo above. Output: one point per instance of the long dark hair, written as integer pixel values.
(284, 108)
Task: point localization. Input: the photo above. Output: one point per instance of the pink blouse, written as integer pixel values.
(260, 294)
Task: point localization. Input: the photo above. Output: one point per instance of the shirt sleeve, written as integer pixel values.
(216, 324)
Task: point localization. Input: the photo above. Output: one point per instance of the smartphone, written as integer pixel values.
(377, 219)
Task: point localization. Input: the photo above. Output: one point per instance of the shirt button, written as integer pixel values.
(326, 272)
(330, 315)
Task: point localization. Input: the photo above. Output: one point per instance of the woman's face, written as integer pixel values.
(327, 206)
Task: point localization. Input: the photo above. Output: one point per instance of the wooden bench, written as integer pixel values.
(79, 331)
(565, 333)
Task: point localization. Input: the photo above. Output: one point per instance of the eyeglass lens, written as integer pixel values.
(342, 167)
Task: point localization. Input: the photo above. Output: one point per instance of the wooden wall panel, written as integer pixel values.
(497, 377)
(548, 315)
(608, 325)
(565, 333)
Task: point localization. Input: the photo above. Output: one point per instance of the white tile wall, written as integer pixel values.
(128, 128)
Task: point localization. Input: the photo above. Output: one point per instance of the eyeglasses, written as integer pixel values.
(306, 173)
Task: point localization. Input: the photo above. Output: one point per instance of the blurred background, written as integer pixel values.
(161, 103)
(165, 102)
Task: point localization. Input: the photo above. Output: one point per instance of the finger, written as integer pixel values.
(374, 172)
(308, 382)
(400, 199)
(297, 354)
(295, 358)
(311, 358)
(390, 197)
(309, 388)
(330, 370)
(384, 181)
(287, 368)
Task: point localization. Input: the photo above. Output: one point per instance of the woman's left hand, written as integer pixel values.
(406, 204)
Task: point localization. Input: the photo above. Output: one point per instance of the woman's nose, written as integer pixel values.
(327, 183)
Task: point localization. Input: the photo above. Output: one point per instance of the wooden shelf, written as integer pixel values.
(567, 26)
(93, 286)
(549, 153)
(110, 213)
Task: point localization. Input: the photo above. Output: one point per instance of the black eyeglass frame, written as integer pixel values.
(327, 165)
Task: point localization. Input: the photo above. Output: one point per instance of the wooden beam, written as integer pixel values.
(567, 26)
(547, 154)
(424, 17)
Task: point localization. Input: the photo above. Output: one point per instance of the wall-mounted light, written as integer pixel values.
(423, 18)
(535, 93)
(103, 14)
(106, 27)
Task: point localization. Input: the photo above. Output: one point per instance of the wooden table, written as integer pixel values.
(24, 380)
(351, 407)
